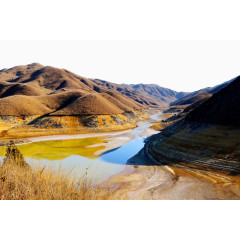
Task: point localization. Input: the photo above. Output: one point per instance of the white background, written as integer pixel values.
(112, 20)
(178, 65)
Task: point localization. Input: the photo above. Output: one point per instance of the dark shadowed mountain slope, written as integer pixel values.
(193, 99)
(200, 94)
(207, 138)
(222, 108)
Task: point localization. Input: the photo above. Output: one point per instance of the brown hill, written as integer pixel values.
(20, 105)
(50, 79)
(36, 90)
(147, 94)
(89, 105)
(160, 94)
(9, 89)
(98, 103)
(13, 73)
(130, 93)
(120, 101)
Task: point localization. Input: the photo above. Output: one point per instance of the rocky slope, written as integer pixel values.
(207, 138)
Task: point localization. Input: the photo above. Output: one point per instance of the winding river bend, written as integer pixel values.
(111, 158)
(95, 156)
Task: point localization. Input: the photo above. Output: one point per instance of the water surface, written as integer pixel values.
(78, 156)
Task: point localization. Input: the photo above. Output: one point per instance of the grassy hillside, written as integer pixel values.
(38, 90)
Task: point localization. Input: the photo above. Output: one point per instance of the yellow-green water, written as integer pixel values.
(60, 149)
(79, 155)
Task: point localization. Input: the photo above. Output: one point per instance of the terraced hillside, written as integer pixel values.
(208, 138)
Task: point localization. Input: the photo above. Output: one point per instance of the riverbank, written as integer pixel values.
(142, 179)
(25, 127)
(103, 154)
(134, 178)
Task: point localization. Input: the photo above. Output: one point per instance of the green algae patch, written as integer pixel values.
(60, 149)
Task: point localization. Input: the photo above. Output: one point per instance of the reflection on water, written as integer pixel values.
(77, 155)
(122, 154)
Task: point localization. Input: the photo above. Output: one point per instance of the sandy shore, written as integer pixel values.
(78, 136)
(141, 180)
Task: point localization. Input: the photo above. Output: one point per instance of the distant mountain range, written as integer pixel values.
(162, 95)
(202, 94)
(35, 89)
(146, 94)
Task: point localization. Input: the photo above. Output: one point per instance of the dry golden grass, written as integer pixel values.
(18, 181)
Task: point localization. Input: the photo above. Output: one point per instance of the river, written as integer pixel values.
(104, 157)
(80, 157)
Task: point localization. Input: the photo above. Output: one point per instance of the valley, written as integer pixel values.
(142, 140)
(102, 155)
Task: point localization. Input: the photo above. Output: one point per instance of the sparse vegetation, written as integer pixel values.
(18, 181)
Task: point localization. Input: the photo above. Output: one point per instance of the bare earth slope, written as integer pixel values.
(208, 138)
(37, 90)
